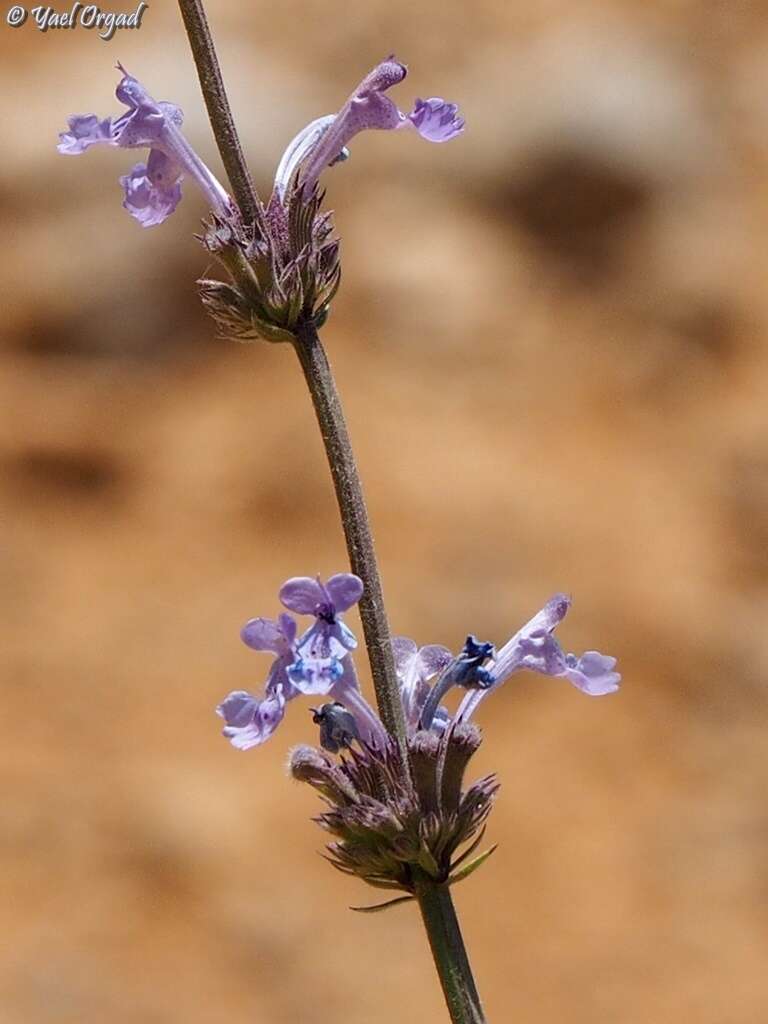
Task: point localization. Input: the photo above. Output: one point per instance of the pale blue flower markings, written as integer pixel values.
(152, 191)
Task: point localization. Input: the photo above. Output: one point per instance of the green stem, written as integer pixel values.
(357, 531)
(453, 968)
(219, 112)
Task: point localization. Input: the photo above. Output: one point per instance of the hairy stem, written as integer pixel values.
(357, 531)
(454, 971)
(434, 899)
(212, 85)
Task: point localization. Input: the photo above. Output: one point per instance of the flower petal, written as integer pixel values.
(266, 635)
(302, 594)
(315, 675)
(147, 203)
(414, 668)
(237, 708)
(85, 130)
(323, 641)
(436, 120)
(287, 626)
(250, 721)
(297, 151)
(433, 658)
(593, 673)
(404, 650)
(345, 589)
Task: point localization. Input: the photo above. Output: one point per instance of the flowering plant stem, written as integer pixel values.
(219, 112)
(357, 531)
(434, 899)
(453, 968)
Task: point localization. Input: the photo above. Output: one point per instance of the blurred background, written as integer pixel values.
(550, 343)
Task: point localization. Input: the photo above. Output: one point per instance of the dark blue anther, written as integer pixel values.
(465, 670)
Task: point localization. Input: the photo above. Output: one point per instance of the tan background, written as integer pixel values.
(550, 340)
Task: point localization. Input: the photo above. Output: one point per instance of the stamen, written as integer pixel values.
(465, 670)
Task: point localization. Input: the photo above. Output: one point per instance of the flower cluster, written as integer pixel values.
(389, 823)
(284, 267)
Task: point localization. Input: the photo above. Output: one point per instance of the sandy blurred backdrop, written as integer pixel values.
(550, 341)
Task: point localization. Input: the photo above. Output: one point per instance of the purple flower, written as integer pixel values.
(323, 142)
(250, 720)
(328, 639)
(534, 647)
(152, 190)
(276, 636)
(316, 663)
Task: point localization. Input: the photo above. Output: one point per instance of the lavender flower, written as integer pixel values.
(328, 639)
(534, 647)
(152, 190)
(323, 142)
(250, 720)
(312, 664)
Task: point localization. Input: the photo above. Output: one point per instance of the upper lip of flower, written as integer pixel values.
(322, 142)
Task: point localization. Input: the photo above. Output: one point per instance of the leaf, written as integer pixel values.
(427, 861)
(469, 850)
(473, 865)
(381, 906)
(381, 883)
